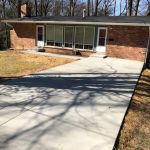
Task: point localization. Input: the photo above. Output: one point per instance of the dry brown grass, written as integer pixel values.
(16, 63)
(135, 134)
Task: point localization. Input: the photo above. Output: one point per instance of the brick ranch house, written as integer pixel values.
(120, 36)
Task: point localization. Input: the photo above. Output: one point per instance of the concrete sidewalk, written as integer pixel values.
(77, 106)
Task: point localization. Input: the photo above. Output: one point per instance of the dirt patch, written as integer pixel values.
(135, 134)
(16, 63)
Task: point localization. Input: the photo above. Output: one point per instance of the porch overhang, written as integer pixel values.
(105, 21)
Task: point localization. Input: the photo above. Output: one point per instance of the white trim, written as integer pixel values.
(77, 23)
(102, 47)
(37, 26)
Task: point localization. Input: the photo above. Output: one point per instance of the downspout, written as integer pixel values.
(147, 55)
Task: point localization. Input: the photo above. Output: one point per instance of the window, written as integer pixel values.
(54, 35)
(79, 37)
(102, 37)
(50, 35)
(68, 36)
(58, 35)
(84, 37)
(40, 33)
(88, 38)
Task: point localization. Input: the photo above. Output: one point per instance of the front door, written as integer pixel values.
(40, 36)
(101, 40)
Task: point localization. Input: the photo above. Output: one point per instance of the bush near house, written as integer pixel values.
(4, 40)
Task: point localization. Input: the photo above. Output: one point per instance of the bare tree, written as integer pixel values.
(36, 7)
(129, 7)
(88, 7)
(96, 7)
(72, 7)
(3, 8)
(114, 7)
(19, 8)
(148, 8)
(123, 8)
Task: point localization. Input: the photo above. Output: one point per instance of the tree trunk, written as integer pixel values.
(129, 8)
(88, 8)
(42, 8)
(62, 6)
(71, 8)
(36, 9)
(114, 7)
(148, 9)
(4, 11)
(19, 8)
(136, 7)
(92, 8)
(96, 8)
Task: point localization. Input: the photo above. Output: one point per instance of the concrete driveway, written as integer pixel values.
(77, 106)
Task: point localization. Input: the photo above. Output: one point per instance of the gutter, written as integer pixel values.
(76, 22)
(147, 55)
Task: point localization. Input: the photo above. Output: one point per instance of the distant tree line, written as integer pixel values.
(11, 8)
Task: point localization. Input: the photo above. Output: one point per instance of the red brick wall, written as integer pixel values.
(127, 42)
(23, 36)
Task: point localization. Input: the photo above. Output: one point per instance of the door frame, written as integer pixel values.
(97, 44)
(37, 26)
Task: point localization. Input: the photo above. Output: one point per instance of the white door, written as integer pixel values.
(40, 36)
(101, 40)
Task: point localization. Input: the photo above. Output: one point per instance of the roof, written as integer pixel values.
(103, 20)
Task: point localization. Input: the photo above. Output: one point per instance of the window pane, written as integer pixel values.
(40, 37)
(58, 34)
(102, 37)
(89, 47)
(102, 33)
(89, 35)
(40, 33)
(40, 30)
(50, 35)
(102, 41)
(68, 36)
(80, 46)
(79, 35)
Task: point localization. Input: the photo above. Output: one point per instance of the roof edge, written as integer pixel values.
(75, 22)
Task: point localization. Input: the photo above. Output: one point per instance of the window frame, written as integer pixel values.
(84, 38)
(99, 28)
(37, 26)
(93, 36)
(74, 27)
(72, 37)
(54, 46)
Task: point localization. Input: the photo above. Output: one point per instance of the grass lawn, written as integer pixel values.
(135, 134)
(16, 63)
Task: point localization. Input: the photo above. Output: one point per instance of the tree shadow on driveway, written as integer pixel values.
(79, 100)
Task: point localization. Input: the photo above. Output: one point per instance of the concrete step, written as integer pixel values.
(99, 54)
